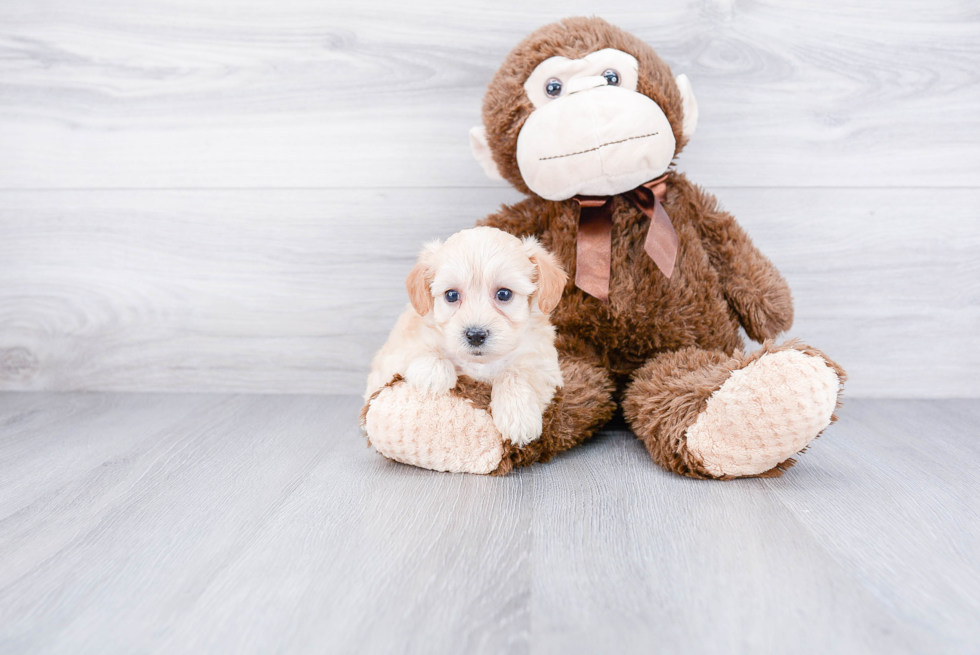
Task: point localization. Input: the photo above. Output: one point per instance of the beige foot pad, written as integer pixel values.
(764, 413)
(440, 432)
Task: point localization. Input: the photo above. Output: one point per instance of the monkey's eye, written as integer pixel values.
(612, 77)
(553, 87)
(503, 295)
(452, 296)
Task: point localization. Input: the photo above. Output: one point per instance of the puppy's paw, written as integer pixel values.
(517, 416)
(431, 374)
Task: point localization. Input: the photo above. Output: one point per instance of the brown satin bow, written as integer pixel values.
(594, 249)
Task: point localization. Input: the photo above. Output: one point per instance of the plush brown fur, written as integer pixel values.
(575, 413)
(667, 343)
(720, 280)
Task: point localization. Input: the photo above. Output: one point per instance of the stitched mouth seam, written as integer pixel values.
(611, 143)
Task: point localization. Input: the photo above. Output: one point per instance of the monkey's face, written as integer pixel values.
(591, 133)
(582, 108)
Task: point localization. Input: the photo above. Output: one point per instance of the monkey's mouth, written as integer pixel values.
(603, 145)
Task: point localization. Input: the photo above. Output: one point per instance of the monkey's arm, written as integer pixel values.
(754, 288)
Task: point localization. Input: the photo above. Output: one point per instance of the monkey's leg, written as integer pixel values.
(705, 414)
(579, 408)
(454, 431)
(442, 432)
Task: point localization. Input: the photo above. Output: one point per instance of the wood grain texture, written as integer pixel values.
(293, 290)
(262, 523)
(179, 94)
(226, 195)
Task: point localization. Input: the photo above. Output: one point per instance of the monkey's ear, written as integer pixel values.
(690, 105)
(481, 150)
(419, 281)
(551, 276)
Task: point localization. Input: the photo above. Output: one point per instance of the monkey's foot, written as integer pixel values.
(766, 411)
(455, 431)
(706, 414)
(442, 432)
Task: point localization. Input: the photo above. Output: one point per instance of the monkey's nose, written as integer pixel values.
(476, 336)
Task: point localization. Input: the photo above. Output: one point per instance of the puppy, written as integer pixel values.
(479, 307)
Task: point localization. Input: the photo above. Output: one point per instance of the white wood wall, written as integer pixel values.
(227, 195)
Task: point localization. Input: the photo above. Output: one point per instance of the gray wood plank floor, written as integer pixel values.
(255, 524)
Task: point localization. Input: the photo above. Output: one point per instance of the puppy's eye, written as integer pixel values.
(553, 87)
(612, 77)
(452, 296)
(503, 295)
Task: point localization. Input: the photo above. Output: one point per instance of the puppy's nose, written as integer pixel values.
(476, 336)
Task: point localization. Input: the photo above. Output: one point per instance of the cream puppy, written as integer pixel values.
(480, 305)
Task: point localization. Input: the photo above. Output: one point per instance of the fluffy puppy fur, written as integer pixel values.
(479, 307)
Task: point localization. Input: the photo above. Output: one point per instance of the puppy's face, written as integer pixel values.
(481, 288)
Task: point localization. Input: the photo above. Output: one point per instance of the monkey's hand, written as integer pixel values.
(755, 290)
(432, 374)
(762, 301)
(516, 410)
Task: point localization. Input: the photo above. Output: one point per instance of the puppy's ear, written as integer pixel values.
(419, 281)
(551, 276)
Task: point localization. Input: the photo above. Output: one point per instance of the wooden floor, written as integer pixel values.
(257, 524)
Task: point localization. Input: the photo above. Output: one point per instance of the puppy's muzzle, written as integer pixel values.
(476, 336)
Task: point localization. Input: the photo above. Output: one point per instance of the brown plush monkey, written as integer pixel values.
(587, 120)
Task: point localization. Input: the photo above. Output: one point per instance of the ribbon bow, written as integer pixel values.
(594, 248)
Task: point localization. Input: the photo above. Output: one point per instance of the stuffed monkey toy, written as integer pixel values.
(587, 120)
